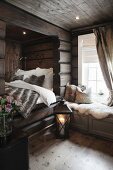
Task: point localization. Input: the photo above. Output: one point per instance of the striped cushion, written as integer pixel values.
(27, 97)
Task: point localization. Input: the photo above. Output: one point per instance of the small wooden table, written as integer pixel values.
(62, 119)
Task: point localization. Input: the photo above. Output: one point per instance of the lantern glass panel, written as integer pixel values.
(63, 122)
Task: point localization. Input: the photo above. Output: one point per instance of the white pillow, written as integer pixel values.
(47, 96)
(26, 74)
(43, 71)
(48, 81)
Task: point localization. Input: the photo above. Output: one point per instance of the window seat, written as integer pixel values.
(89, 124)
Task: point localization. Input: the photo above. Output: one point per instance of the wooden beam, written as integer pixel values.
(88, 29)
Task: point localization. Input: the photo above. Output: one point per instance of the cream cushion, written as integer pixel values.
(70, 93)
(82, 97)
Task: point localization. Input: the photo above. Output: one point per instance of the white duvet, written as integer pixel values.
(46, 96)
(97, 110)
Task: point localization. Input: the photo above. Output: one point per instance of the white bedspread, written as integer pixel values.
(97, 110)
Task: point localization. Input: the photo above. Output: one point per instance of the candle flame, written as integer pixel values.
(62, 119)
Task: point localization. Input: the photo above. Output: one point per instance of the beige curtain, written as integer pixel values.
(104, 45)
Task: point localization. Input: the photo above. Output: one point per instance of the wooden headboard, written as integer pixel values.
(43, 54)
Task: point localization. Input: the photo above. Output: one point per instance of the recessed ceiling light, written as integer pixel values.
(77, 17)
(24, 32)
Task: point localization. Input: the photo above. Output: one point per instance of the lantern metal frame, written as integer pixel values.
(62, 127)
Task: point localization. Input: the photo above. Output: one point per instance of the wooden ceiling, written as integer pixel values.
(63, 12)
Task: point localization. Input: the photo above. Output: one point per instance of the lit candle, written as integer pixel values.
(62, 121)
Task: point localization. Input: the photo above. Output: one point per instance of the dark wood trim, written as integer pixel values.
(41, 41)
(88, 29)
(65, 41)
(65, 50)
(64, 62)
(49, 49)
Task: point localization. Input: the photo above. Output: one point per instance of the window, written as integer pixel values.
(89, 71)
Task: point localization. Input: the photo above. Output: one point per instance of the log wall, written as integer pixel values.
(43, 54)
(2, 57)
(64, 65)
(62, 57)
(13, 54)
(74, 61)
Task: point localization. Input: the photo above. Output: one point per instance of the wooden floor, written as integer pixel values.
(79, 152)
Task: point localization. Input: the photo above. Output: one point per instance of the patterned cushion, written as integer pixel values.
(27, 98)
(70, 93)
(35, 80)
(82, 97)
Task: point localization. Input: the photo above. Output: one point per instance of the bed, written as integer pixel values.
(36, 102)
(32, 59)
(89, 117)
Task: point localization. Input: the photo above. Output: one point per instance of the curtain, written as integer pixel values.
(104, 45)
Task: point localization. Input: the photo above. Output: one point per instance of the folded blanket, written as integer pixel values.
(27, 97)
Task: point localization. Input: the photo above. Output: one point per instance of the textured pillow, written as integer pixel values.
(70, 93)
(35, 80)
(27, 98)
(20, 77)
(82, 97)
(48, 81)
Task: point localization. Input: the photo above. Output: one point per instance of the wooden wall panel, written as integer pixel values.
(38, 55)
(65, 57)
(2, 48)
(42, 63)
(65, 45)
(2, 68)
(34, 47)
(12, 56)
(65, 68)
(65, 65)
(62, 91)
(2, 57)
(64, 79)
(74, 60)
(2, 86)
(44, 55)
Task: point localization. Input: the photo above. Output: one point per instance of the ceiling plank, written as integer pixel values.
(63, 12)
(20, 18)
